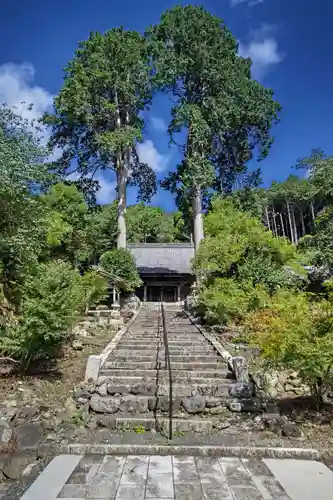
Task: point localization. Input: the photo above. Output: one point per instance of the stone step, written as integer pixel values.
(188, 342)
(156, 338)
(174, 350)
(149, 388)
(171, 336)
(114, 381)
(132, 356)
(148, 344)
(176, 374)
(175, 328)
(177, 341)
(151, 365)
(140, 406)
(157, 422)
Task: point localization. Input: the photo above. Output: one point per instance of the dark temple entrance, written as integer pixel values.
(169, 292)
(162, 292)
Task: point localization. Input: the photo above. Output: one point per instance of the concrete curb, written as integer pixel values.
(95, 362)
(211, 451)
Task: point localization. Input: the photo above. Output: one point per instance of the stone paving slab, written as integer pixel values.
(94, 477)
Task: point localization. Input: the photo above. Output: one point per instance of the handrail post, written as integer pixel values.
(167, 364)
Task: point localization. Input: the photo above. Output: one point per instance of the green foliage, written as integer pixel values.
(320, 244)
(260, 268)
(252, 201)
(239, 245)
(21, 213)
(95, 289)
(145, 224)
(52, 297)
(81, 418)
(148, 224)
(120, 264)
(101, 230)
(226, 301)
(296, 333)
(66, 233)
(241, 265)
(139, 429)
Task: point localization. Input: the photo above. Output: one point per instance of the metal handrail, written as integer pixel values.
(167, 365)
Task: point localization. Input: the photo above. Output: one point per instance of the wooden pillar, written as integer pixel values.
(145, 293)
(178, 293)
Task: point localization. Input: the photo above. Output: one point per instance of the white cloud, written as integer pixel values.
(17, 89)
(263, 49)
(158, 124)
(107, 191)
(251, 3)
(148, 154)
(263, 54)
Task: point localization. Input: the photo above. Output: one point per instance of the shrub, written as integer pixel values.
(239, 245)
(52, 297)
(295, 332)
(121, 265)
(227, 301)
(257, 268)
(240, 263)
(95, 289)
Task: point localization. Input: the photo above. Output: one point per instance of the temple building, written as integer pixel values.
(165, 269)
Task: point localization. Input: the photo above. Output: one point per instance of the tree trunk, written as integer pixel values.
(282, 226)
(267, 219)
(290, 223)
(197, 216)
(274, 223)
(121, 171)
(294, 225)
(121, 182)
(302, 223)
(312, 212)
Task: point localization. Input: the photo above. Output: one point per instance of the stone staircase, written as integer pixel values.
(132, 390)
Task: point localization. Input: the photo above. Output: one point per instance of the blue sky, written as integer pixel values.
(290, 42)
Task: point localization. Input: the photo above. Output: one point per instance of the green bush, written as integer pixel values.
(52, 297)
(227, 301)
(296, 332)
(261, 269)
(95, 289)
(240, 246)
(121, 265)
(240, 263)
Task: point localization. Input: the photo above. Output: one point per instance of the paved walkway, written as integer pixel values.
(180, 478)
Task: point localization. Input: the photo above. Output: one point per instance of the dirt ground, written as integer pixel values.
(49, 391)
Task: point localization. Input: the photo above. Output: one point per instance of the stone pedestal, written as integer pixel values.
(243, 387)
(115, 312)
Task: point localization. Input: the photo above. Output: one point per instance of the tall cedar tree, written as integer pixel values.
(225, 113)
(97, 120)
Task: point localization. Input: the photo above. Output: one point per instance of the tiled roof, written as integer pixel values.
(163, 258)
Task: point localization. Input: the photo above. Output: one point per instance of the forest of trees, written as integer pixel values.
(259, 242)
